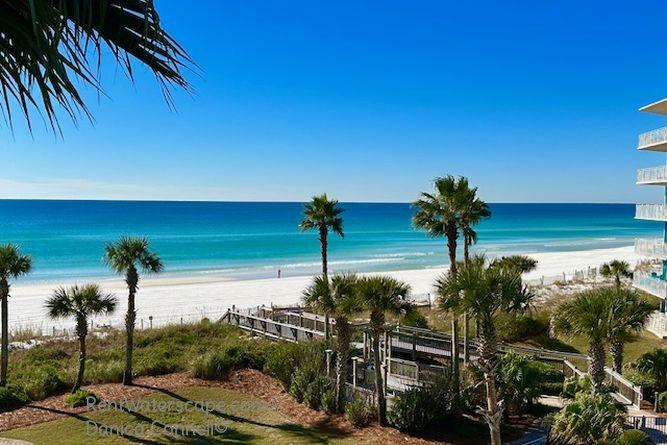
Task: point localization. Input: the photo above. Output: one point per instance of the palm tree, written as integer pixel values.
(484, 290)
(474, 211)
(655, 364)
(441, 214)
(80, 303)
(380, 294)
(46, 47)
(323, 214)
(13, 265)
(519, 263)
(338, 297)
(128, 256)
(588, 315)
(629, 314)
(617, 270)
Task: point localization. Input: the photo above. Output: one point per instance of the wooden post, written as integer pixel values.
(328, 352)
(414, 347)
(150, 320)
(354, 371)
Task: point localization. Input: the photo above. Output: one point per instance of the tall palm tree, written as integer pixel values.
(441, 214)
(338, 297)
(127, 256)
(323, 214)
(588, 315)
(617, 270)
(474, 211)
(629, 314)
(484, 290)
(80, 303)
(13, 265)
(380, 294)
(46, 47)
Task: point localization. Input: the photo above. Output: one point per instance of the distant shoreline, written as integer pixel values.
(168, 298)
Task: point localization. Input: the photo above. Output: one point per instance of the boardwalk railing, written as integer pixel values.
(624, 387)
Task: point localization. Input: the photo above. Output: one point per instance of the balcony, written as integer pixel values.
(650, 283)
(651, 247)
(653, 212)
(652, 176)
(655, 140)
(659, 107)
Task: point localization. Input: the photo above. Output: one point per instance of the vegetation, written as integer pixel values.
(617, 270)
(589, 418)
(662, 401)
(419, 406)
(11, 397)
(80, 303)
(47, 47)
(381, 294)
(445, 212)
(520, 381)
(484, 290)
(634, 437)
(128, 256)
(13, 264)
(517, 263)
(339, 298)
(218, 363)
(81, 397)
(358, 411)
(654, 363)
(323, 214)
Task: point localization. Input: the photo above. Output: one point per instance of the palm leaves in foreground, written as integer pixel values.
(80, 303)
(338, 297)
(484, 290)
(629, 314)
(380, 294)
(13, 264)
(45, 45)
(128, 256)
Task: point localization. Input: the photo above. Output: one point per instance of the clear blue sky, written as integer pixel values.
(534, 101)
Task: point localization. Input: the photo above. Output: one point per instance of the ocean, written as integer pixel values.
(254, 239)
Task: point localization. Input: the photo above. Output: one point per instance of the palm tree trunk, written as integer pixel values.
(4, 361)
(466, 319)
(82, 331)
(452, 234)
(616, 351)
(618, 281)
(130, 317)
(325, 271)
(596, 365)
(342, 358)
(379, 383)
(488, 353)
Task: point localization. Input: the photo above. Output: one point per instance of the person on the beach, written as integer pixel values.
(279, 273)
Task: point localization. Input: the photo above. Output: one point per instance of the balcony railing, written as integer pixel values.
(657, 324)
(652, 175)
(652, 247)
(651, 138)
(651, 283)
(656, 212)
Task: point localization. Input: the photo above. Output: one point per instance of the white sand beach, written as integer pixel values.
(169, 298)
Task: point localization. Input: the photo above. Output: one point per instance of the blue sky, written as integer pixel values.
(533, 101)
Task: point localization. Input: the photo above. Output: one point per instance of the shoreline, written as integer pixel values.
(168, 299)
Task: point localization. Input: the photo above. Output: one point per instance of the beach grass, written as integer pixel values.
(236, 418)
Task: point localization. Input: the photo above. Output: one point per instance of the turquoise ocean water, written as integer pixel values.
(252, 240)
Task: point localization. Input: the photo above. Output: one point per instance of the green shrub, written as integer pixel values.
(569, 388)
(415, 319)
(634, 437)
(413, 410)
(105, 371)
(654, 363)
(589, 418)
(314, 392)
(639, 378)
(217, 364)
(81, 398)
(328, 401)
(662, 401)
(358, 411)
(11, 397)
(41, 382)
(301, 379)
(518, 380)
(517, 327)
(281, 360)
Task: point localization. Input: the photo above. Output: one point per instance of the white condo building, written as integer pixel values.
(654, 281)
